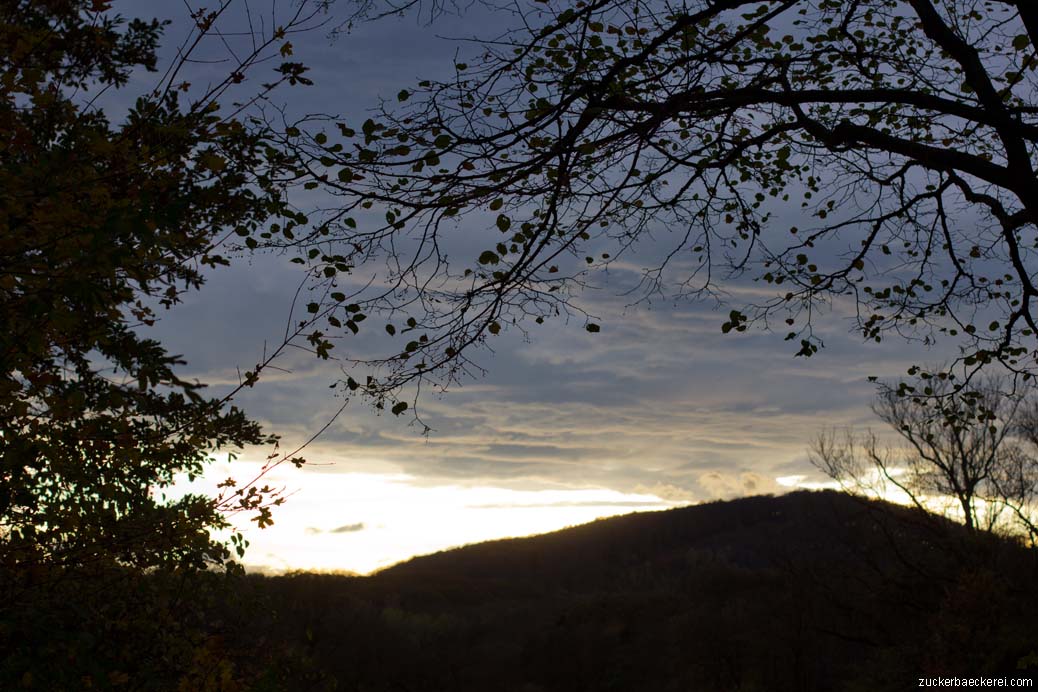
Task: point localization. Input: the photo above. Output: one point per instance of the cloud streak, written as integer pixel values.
(345, 528)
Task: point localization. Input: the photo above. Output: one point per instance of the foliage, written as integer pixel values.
(976, 448)
(116, 200)
(103, 221)
(121, 629)
(876, 154)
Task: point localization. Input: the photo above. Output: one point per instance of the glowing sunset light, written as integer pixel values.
(361, 522)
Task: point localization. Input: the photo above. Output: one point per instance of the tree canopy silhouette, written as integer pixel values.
(108, 214)
(874, 153)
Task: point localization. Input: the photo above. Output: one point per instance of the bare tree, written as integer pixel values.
(965, 452)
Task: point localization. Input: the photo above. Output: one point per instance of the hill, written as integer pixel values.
(807, 591)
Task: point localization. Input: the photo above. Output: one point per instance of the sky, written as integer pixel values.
(658, 410)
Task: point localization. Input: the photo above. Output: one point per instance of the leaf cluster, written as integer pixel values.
(102, 223)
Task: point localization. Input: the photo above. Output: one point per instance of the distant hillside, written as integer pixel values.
(752, 533)
(807, 591)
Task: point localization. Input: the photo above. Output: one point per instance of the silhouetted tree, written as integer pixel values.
(104, 221)
(974, 446)
(115, 200)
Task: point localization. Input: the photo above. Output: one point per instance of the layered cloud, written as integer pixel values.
(659, 407)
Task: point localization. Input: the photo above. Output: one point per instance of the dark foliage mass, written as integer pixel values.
(115, 199)
(106, 214)
(810, 591)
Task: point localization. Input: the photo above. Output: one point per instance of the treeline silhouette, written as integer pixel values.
(807, 591)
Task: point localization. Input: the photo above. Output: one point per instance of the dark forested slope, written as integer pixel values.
(807, 591)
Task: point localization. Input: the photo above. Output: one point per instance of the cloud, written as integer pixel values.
(722, 486)
(348, 528)
(659, 402)
(667, 491)
(345, 528)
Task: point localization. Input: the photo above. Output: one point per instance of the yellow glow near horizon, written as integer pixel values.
(361, 522)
